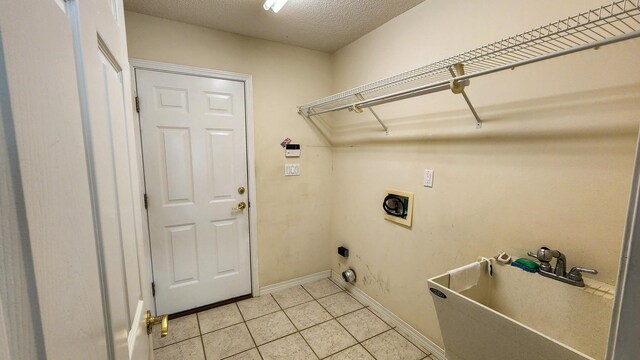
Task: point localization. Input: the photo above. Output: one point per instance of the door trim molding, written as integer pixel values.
(624, 320)
(251, 160)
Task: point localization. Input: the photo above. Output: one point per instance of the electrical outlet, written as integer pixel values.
(428, 178)
(291, 169)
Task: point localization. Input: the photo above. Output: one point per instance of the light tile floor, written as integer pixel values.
(313, 321)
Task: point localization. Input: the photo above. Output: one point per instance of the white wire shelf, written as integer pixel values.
(614, 22)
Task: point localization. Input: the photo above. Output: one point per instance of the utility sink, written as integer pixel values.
(520, 315)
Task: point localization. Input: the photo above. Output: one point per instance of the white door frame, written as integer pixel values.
(251, 163)
(625, 326)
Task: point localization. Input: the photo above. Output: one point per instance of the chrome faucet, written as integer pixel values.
(545, 255)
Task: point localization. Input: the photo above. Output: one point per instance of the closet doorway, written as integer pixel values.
(194, 151)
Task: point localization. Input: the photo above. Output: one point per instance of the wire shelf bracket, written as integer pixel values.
(359, 110)
(458, 88)
(592, 29)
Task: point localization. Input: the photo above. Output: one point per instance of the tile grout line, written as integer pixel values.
(250, 334)
(243, 351)
(392, 326)
(406, 337)
(333, 318)
(296, 305)
(294, 326)
(284, 336)
(358, 342)
(258, 317)
(281, 337)
(322, 297)
(339, 324)
(292, 306)
(204, 351)
(368, 307)
(177, 342)
(320, 323)
(336, 319)
(307, 302)
(249, 331)
(243, 320)
(222, 328)
(370, 337)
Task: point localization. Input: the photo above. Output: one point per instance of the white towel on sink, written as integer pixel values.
(464, 277)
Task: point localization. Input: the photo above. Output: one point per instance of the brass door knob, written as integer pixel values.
(162, 319)
(240, 206)
(241, 190)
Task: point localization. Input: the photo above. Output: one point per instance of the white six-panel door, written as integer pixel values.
(194, 151)
(108, 122)
(53, 298)
(68, 95)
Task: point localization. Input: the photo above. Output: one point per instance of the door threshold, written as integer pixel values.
(209, 306)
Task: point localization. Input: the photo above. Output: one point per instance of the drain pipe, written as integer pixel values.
(349, 275)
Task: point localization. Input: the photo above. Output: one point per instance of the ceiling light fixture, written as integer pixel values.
(274, 5)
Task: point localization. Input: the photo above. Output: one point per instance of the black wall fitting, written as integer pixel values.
(343, 251)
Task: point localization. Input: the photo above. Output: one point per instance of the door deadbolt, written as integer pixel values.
(241, 190)
(162, 319)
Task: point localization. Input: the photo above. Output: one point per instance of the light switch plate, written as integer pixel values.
(428, 178)
(291, 169)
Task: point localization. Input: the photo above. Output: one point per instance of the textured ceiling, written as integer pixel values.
(325, 25)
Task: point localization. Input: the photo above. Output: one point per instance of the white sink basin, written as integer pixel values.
(519, 315)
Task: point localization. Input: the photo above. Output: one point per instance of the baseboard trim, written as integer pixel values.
(407, 330)
(295, 282)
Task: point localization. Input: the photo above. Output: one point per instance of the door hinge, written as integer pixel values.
(137, 104)
(153, 288)
(146, 201)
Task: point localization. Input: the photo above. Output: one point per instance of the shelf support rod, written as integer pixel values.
(459, 89)
(473, 110)
(361, 98)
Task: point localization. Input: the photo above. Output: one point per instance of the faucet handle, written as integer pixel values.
(544, 256)
(576, 272)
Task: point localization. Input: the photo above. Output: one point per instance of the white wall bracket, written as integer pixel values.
(359, 110)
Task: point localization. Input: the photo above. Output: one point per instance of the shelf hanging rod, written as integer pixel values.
(399, 95)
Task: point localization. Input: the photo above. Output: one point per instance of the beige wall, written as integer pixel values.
(293, 212)
(551, 166)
